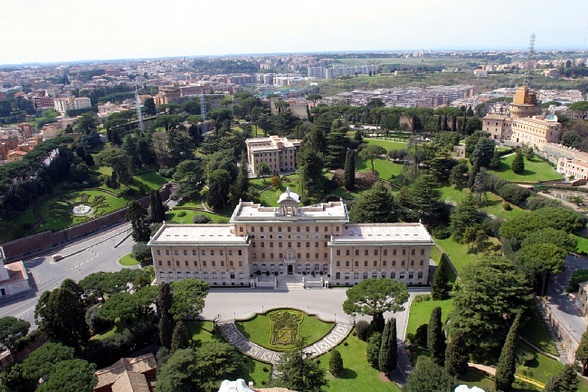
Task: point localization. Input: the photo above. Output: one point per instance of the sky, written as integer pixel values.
(77, 30)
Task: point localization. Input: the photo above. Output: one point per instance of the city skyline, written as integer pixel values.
(66, 31)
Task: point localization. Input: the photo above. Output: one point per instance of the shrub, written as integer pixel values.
(363, 330)
(201, 219)
(336, 363)
(95, 323)
(141, 252)
(373, 349)
(421, 298)
(420, 336)
(507, 207)
(167, 173)
(181, 214)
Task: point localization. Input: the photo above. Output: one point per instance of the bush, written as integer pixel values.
(201, 219)
(420, 337)
(421, 298)
(507, 207)
(373, 349)
(441, 232)
(167, 173)
(336, 364)
(363, 329)
(181, 214)
(96, 324)
(141, 252)
(513, 193)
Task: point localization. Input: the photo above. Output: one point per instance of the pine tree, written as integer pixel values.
(349, 176)
(181, 337)
(456, 355)
(564, 381)
(373, 349)
(440, 287)
(336, 363)
(166, 322)
(388, 357)
(505, 370)
(518, 163)
(436, 337)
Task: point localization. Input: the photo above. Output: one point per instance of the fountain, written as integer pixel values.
(82, 210)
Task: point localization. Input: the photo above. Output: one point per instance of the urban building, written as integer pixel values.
(536, 130)
(316, 243)
(278, 153)
(572, 168)
(14, 279)
(62, 105)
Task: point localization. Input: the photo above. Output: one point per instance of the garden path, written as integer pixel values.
(236, 338)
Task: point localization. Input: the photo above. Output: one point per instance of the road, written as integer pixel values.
(99, 252)
(559, 301)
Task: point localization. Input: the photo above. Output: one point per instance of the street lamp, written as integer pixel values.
(335, 317)
(233, 316)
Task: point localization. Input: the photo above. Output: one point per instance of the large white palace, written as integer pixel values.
(289, 241)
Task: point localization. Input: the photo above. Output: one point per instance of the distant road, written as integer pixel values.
(83, 257)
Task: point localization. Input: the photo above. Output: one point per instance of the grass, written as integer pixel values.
(579, 275)
(128, 261)
(174, 215)
(257, 329)
(203, 331)
(387, 144)
(541, 367)
(420, 313)
(269, 198)
(535, 170)
(458, 253)
(152, 180)
(358, 375)
(582, 246)
(493, 207)
(535, 331)
(483, 381)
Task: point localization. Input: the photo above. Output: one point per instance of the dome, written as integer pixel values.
(289, 196)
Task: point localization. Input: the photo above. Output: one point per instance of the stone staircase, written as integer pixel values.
(290, 283)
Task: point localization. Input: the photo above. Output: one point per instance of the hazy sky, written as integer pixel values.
(69, 30)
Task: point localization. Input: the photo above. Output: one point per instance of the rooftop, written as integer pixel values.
(388, 232)
(203, 234)
(331, 211)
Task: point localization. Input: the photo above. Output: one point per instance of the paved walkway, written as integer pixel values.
(230, 332)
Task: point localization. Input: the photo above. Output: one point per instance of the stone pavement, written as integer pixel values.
(230, 332)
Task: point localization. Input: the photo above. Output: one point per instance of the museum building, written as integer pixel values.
(312, 242)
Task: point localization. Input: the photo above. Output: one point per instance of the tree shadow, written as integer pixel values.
(348, 374)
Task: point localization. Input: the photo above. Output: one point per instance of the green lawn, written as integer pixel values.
(358, 374)
(190, 213)
(387, 144)
(257, 329)
(128, 261)
(458, 253)
(420, 313)
(481, 380)
(152, 180)
(535, 170)
(535, 331)
(270, 197)
(258, 372)
(582, 245)
(493, 207)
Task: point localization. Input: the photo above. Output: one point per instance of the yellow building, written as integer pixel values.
(536, 131)
(315, 245)
(278, 153)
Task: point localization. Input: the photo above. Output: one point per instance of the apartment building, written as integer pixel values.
(292, 240)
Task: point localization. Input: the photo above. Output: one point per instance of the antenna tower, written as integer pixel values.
(139, 113)
(203, 112)
(528, 76)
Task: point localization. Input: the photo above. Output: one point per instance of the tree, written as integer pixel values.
(458, 175)
(149, 107)
(181, 336)
(310, 168)
(436, 337)
(440, 288)
(176, 375)
(428, 376)
(373, 349)
(127, 306)
(74, 375)
(299, 372)
(564, 381)
(349, 174)
(166, 322)
(421, 200)
(120, 162)
(156, 208)
(483, 152)
(137, 215)
(190, 173)
(543, 259)
(492, 291)
(376, 205)
(506, 367)
(582, 353)
(456, 355)
(336, 364)
(60, 315)
(553, 236)
(388, 356)
(336, 148)
(188, 297)
(264, 170)
(219, 182)
(215, 361)
(371, 152)
(518, 163)
(87, 123)
(12, 329)
(42, 361)
(141, 252)
(466, 214)
(181, 145)
(373, 297)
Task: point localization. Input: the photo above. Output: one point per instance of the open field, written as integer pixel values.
(535, 170)
(420, 313)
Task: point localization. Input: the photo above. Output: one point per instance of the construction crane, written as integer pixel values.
(528, 76)
(139, 112)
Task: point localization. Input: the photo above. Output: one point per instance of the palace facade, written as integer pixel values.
(316, 242)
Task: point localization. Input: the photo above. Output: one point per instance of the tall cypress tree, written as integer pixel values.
(505, 370)
(181, 337)
(436, 337)
(166, 322)
(440, 287)
(388, 357)
(456, 355)
(349, 176)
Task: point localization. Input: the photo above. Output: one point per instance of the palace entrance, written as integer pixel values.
(290, 269)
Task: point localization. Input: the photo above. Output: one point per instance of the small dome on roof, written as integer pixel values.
(289, 195)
